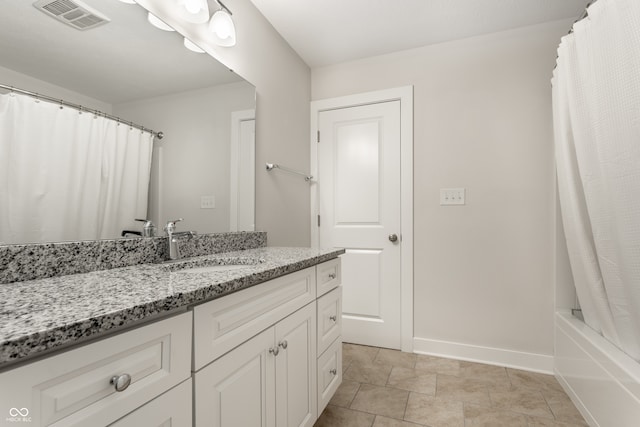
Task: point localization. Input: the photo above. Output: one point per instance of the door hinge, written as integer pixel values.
(318, 220)
(318, 136)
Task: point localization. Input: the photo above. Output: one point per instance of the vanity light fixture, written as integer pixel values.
(195, 11)
(192, 46)
(158, 23)
(222, 27)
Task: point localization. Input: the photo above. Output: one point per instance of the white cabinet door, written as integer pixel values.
(329, 373)
(238, 389)
(296, 403)
(172, 409)
(329, 318)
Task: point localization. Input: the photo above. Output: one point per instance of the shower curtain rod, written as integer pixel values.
(80, 108)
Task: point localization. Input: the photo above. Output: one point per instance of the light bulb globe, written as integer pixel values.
(223, 29)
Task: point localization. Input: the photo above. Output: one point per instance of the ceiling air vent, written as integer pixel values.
(74, 13)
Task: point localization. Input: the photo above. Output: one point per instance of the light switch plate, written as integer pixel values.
(207, 202)
(452, 196)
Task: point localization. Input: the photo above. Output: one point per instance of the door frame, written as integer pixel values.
(403, 94)
(237, 117)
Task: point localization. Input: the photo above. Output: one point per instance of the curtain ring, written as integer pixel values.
(80, 110)
(37, 98)
(130, 125)
(61, 101)
(11, 92)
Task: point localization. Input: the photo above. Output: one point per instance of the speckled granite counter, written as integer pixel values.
(46, 314)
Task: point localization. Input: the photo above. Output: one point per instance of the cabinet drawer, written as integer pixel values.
(328, 275)
(224, 323)
(73, 388)
(172, 408)
(329, 318)
(329, 373)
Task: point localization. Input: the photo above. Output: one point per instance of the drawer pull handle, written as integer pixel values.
(334, 318)
(332, 275)
(121, 382)
(284, 344)
(274, 351)
(333, 372)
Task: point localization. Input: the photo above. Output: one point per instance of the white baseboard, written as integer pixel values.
(492, 356)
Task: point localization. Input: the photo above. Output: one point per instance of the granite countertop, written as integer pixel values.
(45, 314)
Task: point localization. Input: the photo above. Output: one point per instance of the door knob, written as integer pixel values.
(393, 238)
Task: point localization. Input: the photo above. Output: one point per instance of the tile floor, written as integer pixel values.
(388, 388)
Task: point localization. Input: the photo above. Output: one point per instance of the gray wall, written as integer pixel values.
(195, 152)
(484, 272)
(13, 78)
(283, 86)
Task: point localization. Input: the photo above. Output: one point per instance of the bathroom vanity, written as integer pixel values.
(245, 338)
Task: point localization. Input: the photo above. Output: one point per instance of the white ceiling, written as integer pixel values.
(124, 60)
(325, 32)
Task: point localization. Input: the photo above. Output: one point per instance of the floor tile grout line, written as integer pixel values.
(406, 404)
(354, 395)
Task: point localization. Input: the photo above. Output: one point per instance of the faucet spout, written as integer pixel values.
(174, 237)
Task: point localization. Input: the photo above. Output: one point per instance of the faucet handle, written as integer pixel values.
(148, 229)
(171, 225)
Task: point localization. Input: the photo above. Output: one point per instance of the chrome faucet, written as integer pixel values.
(174, 236)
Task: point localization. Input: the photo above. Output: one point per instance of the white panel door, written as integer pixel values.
(359, 206)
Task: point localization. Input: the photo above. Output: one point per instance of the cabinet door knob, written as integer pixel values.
(332, 275)
(284, 344)
(333, 371)
(121, 382)
(393, 238)
(334, 318)
(274, 351)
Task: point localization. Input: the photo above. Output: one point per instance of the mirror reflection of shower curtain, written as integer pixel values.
(66, 175)
(596, 101)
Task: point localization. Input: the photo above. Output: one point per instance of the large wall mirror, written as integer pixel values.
(202, 170)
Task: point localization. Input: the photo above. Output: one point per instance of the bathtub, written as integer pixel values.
(602, 381)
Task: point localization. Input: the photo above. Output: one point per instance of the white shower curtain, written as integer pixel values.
(596, 107)
(66, 175)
